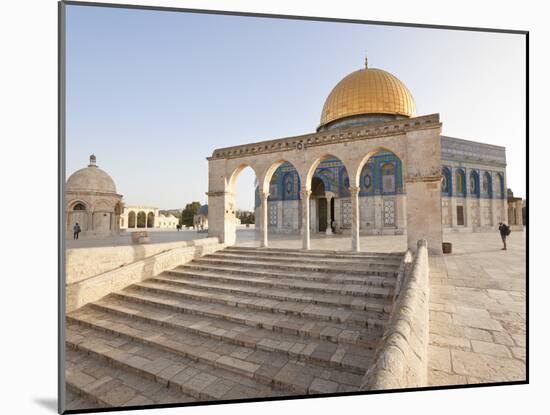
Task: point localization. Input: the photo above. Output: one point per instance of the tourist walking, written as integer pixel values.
(504, 232)
(76, 230)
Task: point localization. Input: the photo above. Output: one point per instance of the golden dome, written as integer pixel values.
(368, 91)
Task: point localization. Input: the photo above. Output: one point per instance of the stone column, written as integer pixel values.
(354, 195)
(221, 216)
(265, 223)
(424, 212)
(329, 216)
(304, 195)
(146, 217)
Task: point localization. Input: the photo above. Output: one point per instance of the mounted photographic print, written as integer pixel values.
(256, 207)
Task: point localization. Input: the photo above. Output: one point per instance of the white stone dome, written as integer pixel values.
(91, 179)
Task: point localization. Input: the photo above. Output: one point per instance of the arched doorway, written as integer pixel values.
(321, 201)
(77, 214)
(132, 220)
(141, 220)
(244, 203)
(150, 220)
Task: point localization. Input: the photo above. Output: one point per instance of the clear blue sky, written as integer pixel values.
(153, 93)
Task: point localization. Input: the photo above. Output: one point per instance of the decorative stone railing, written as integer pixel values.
(79, 292)
(401, 359)
(328, 137)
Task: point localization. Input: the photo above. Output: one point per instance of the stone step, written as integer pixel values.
(106, 382)
(371, 303)
(242, 335)
(270, 368)
(76, 402)
(247, 302)
(312, 252)
(299, 266)
(361, 279)
(366, 335)
(153, 374)
(285, 283)
(390, 263)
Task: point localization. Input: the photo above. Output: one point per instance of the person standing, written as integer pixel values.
(76, 230)
(504, 232)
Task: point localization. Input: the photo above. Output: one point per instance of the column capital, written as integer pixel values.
(354, 190)
(264, 195)
(305, 194)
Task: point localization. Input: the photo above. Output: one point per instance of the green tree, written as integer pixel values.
(189, 212)
(246, 217)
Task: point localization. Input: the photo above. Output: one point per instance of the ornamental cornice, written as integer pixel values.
(302, 142)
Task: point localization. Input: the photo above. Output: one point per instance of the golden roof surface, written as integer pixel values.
(368, 91)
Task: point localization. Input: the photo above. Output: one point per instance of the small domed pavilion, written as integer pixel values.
(93, 202)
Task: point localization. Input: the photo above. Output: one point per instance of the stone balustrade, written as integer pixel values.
(401, 360)
(122, 271)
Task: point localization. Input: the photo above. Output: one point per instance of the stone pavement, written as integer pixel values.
(477, 311)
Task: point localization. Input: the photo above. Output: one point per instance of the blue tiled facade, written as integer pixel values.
(469, 169)
(382, 175)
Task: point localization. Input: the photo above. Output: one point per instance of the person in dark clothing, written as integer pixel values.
(504, 232)
(76, 230)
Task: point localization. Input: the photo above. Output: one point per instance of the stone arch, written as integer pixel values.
(355, 177)
(151, 219)
(232, 178)
(78, 203)
(310, 172)
(132, 219)
(78, 212)
(141, 219)
(265, 179)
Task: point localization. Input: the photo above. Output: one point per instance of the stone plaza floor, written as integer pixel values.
(478, 311)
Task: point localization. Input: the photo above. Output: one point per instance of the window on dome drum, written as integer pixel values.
(388, 178)
(79, 206)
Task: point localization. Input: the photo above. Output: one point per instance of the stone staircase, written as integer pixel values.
(240, 323)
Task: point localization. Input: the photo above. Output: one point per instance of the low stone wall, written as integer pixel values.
(88, 289)
(401, 360)
(82, 263)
